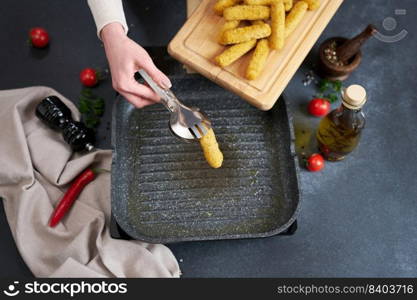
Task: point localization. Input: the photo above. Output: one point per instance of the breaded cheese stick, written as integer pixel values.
(247, 33)
(227, 26)
(257, 62)
(312, 4)
(288, 4)
(220, 5)
(211, 149)
(260, 2)
(294, 17)
(277, 37)
(258, 22)
(233, 53)
(246, 12)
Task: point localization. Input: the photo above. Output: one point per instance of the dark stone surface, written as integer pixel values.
(359, 216)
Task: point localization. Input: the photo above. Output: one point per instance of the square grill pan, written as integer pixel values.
(164, 191)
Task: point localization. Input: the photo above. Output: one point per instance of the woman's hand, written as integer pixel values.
(125, 58)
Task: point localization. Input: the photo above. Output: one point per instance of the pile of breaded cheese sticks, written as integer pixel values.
(270, 23)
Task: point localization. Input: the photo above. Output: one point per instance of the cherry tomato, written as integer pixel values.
(88, 77)
(39, 37)
(319, 107)
(315, 162)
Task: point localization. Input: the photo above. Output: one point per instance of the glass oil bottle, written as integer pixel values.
(340, 131)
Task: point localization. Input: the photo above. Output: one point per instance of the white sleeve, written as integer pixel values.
(106, 12)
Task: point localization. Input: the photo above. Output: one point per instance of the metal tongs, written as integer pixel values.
(185, 123)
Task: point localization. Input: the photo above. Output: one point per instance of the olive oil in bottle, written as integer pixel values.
(339, 132)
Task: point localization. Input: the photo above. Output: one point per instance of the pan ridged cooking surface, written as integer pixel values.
(163, 190)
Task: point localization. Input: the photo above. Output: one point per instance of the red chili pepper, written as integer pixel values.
(72, 194)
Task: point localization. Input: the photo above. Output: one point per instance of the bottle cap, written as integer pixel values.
(354, 96)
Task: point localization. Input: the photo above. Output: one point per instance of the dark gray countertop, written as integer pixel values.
(358, 217)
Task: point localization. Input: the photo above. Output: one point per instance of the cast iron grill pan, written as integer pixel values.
(164, 191)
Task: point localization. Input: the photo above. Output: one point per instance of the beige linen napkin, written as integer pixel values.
(36, 168)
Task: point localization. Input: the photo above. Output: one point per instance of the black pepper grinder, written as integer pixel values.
(54, 113)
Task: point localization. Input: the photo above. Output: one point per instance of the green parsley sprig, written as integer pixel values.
(329, 89)
(91, 108)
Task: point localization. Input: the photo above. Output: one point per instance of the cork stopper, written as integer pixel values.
(354, 96)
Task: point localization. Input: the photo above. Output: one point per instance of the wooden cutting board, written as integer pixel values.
(196, 45)
(191, 7)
